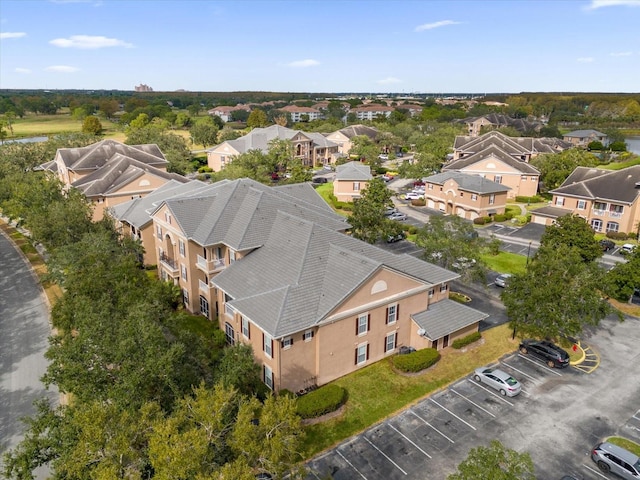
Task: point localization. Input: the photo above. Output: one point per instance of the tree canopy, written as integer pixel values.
(367, 220)
(495, 462)
(572, 231)
(556, 167)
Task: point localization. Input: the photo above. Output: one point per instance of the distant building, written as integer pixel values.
(582, 138)
(143, 88)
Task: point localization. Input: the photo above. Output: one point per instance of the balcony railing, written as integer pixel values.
(615, 214)
(229, 310)
(209, 266)
(598, 212)
(168, 262)
(203, 286)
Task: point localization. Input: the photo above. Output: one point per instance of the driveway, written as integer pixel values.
(24, 329)
(557, 418)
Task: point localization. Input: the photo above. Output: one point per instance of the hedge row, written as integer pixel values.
(325, 399)
(416, 361)
(464, 341)
(482, 220)
(622, 235)
(534, 199)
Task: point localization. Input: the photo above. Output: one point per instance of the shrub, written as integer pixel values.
(464, 341)
(205, 169)
(534, 199)
(324, 400)
(617, 235)
(286, 393)
(632, 235)
(500, 217)
(418, 202)
(413, 230)
(478, 221)
(416, 361)
(509, 215)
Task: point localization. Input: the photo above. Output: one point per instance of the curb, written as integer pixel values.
(582, 357)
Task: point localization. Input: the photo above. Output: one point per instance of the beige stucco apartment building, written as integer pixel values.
(351, 178)
(344, 137)
(274, 267)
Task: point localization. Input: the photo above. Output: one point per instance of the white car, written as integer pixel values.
(496, 378)
(414, 196)
(397, 216)
(502, 280)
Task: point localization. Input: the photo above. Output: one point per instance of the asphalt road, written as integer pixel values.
(24, 328)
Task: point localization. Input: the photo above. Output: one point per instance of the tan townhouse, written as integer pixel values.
(313, 149)
(299, 114)
(109, 172)
(351, 178)
(467, 196)
(274, 267)
(225, 112)
(608, 200)
(498, 120)
(344, 137)
(582, 138)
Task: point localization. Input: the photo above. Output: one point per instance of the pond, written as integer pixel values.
(633, 144)
(26, 140)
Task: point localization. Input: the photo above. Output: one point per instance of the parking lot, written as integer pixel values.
(557, 418)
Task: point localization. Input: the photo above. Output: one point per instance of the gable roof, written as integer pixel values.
(96, 155)
(353, 171)
(445, 317)
(597, 184)
(496, 152)
(359, 130)
(467, 182)
(321, 269)
(501, 120)
(117, 172)
(585, 134)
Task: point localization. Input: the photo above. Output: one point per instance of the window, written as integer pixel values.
(159, 232)
(392, 313)
(492, 199)
(229, 334)
(287, 342)
(219, 254)
(443, 287)
(599, 206)
(497, 178)
(268, 377)
(523, 178)
(612, 227)
(181, 247)
(362, 353)
(474, 197)
(390, 342)
(232, 256)
(560, 201)
(222, 160)
(533, 179)
(167, 217)
(616, 210)
(431, 292)
(430, 187)
(267, 344)
(581, 204)
(596, 225)
(204, 306)
(185, 297)
(362, 324)
(356, 186)
(246, 328)
(183, 271)
(307, 335)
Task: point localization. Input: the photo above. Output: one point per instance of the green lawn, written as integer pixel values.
(505, 262)
(621, 165)
(377, 392)
(633, 447)
(45, 125)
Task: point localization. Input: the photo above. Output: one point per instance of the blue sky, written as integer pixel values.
(322, 45)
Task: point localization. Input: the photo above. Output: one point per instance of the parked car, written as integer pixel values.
(502, 280)
(390, 211)
(387, 177)
(383, 156)
(414, 196)
(397, 237)
(319, 180)
(607, 244)
(553, 355)
(615, 459)
(399, 154)
(627, 248)
(398, 216)
(418, 183)
(499, 380)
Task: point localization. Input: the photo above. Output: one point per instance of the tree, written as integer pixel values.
(619, 146)
(495, 462)
(557, 296)
(453, 243)
(183, 120)
(367, 220)
(595, 145)
(228, 133)
(624, 278)
(237, 369)
(204, 132)
(92, 125)
(173, 146)
(572, 231)
(257, 118)
(109, 107)
(556, 167)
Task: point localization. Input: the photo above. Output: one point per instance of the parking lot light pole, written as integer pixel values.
(528, 252)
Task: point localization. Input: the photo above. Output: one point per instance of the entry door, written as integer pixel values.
(445, 341)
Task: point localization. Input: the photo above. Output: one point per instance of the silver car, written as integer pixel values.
(496, 378)
(615, 459)
(503, 279)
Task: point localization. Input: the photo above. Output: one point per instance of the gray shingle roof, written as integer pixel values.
(585, 133)
(359, 130)
(445, 317)
(96, 155)
(597, 184)
(469, 183)
(551, 212)
(353, 171)
(304, 271)
(496, 152)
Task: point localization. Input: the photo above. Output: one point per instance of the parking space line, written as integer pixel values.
(429, 425)
(315, 474)
(410, 441)
(592, 470)
(384, 455)
(473, 403)
(350, 464)
(451, 413)
(539, 364)
(489, 391)
(635, 415)
(533, 379)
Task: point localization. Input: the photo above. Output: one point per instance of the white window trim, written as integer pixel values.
(395, 314)
(266, 347)
(364, 316)
(287, 342)
(362, 345)
(392, 335)
(307, 336)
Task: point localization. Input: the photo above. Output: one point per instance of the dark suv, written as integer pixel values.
(553, 355)
(607, 244)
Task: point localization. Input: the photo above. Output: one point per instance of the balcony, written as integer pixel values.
(615, 214)
(169, 263)
(600, 213)
(203, 286)
(229, 310)
(210, 266)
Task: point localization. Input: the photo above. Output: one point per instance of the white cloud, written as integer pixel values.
(303, 63)
(22, 70)
(4, 35)
(389, 81)
(585, 60)
(89, 42)
(595, 4)
(61, 69)
(621, 54)
(431, 26)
